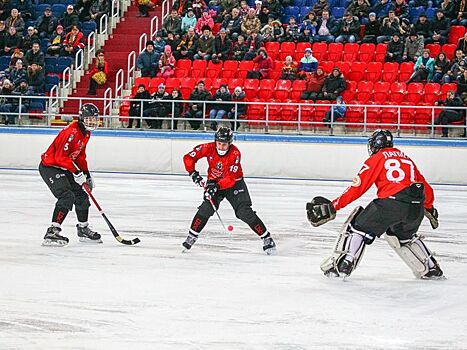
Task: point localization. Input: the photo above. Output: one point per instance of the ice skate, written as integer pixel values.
(87, 235)
(53, 238)
(189, 241)
(269, 246)
(435, 273)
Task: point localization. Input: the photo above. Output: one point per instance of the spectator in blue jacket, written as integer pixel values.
(308, 63)
(189, 21)
(336, 112)
(148, 61)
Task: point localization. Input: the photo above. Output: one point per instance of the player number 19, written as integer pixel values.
(395, 172)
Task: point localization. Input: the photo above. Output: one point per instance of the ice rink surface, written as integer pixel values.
(225, 293)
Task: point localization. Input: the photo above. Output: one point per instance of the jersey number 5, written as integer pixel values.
(394, 171)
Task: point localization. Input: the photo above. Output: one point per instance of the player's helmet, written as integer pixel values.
(225, 135)
(378, 140)
(89, 116)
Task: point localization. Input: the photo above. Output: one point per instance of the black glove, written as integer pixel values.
(319, 211)
(211, 188)
(432, 215)
(196, 177)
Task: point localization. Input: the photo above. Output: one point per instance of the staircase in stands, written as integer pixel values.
(124, 39)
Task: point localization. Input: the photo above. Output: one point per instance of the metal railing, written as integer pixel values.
(119, 84)
(131, 68)
(115, 13)
(66, 82)
(79, 60)
(103, 24)
(154, 27)
(91, 47)
(107, 110)
(143, 39)
(166, 6)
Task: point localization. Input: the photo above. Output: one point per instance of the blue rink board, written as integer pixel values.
(241, 137)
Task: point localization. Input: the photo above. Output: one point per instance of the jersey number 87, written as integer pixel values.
(394, 171)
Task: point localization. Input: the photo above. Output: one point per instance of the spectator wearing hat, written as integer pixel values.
(336, 112)
(135, 106)
(173, 23)
(228, 5)
(98, 9)
(15, 20)
(56, 41)
(204, 21)
(166, 63)
(238, 110)
(395, 49)
(423, 27)
(204, 45)
(325, 28)
(263, 66)
(69, 19)
(266, 30)
(148, 61)
(188, 21)
(244, 8)
(46, 24)
(239, 49)
(98, 74)
(348, 29)
(448, 115)
(218, 109)
(16, 107)
(74, 41)
(308, 63)
(289, 69)
(277, 31)
(439, 28)
(195, 109)
(12, 42)
(320, 6)
(6, 102)
(232, 23)
(17, 73)
(265, 16)
(250, 23)
(423, 68)
(372, 29)
(460, 18)
(258, 7)
(360, 8)
(389, 26)
(333, 86)
(187, 46)
(36, 78)
(314, 85)
(34, 55)
(413, 47)
(156, 109)
(442, 65)
(221, 46)
(159, 43)
(17, 55)
(27, 40)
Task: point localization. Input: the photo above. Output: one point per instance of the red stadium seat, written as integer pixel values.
(282, 90)
(381, 92)
(234, 82)
(320, 113)
(289, 114)
(298, 87)
(186, 86)
(344, 67)
(431, 93)
(307, 111)
(367, 52)
(390, 70)
(364, 91)
(287, 49)
(423, 118)
(349, 93)
(380, 52)
(244, 67)
(447, 87)
(335, 51)
(216, 84)
(327, 66)
(449, 50)
(435, 49)
(155, 82)
(350, 52)
(373, 117)
(357, 71)
(405, 71)
(455, 32)
(256, 113)
(198, 68)
(353, 116)
(213, 70)
(319, 50)
(301, 48)
(373, 71)
(250, 86)
(183, 68)
(389, 117)
(397, 92)
(266, 88)
(414, 93)
(273, 48)
(407, 116)
(273, 113)
(138, 81)
(229, 69)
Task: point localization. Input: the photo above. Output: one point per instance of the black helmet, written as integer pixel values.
(378, 140)
(88, 115)
(223, 134)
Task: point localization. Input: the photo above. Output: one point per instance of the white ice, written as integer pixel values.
(225, 293)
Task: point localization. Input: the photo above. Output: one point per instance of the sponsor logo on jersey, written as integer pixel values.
(219, 166)
(71, 137)
(356, 181)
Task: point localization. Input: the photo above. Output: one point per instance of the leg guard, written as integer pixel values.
(348, 250)
(416, 255)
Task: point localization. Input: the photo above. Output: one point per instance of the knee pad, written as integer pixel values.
(414, 253)
(66, 200)
(82, 200)
(245, 213)
(205, 210)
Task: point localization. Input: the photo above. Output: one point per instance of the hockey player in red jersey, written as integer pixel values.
(404, 197)
(225, 180)
(64, 169)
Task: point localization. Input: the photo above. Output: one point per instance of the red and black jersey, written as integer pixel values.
(68, 149)
(391, 171)
(225, 170)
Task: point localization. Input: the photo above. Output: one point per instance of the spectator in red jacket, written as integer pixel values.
(314, 85)
(263, 66)
(73, 42)
(98, 73)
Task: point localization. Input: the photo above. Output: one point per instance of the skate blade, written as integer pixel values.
(53, 243)
(271, 251)
(92, 241)
(435, 278)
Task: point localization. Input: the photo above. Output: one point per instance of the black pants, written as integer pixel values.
(68, 193)
(92, 86)
(239, 199)
(448, 116)
(309, 95)
(134, 112)
(156, 112)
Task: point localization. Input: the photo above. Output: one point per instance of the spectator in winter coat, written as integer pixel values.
(187, 46)
(372, 29)
(182, 6)
(400, 8)
(5, 8)
(3, 33)
(148, 61)
(159, 43)
(135, 106)
(221, 46)
(25, 9)
(173, 23)
(28, 39)
(12, 42)
(36, 78)
(172, 41)
(189, 21)
(251, 23)
(320, 6)
(166, 63)
(17, 55)
(306, 32)
(348, 29)
(98, 9)
(46, 24)
(462, 44)
(266, 31)
(74, 41)
(395, 49)
(218, 109)
(70, 18)
(227, 6)
(244, 8)
(292, 30)
(325, 28)
(263, 67)
(157, 110)
(333, 85)
(442, 65)
(238, 110)
(462, 86)
(99, 73)
(232, 24)
(203, 21)
(413, 48)
(289, 69)
(56, 41)
(308, 63)
(18, 73)
(34, 55)
(423, 68)
(388, 28)
(239, 49)
(204, 45)
(439, 28)
(6, 103)
(175, 108)
(456, 67)
(314, 84)
(449, 115)
(336, 112)
(423, 27)
(199, 6)
(360, 8)
(82, 9)
(277, 31)
(16, 21)
(254, 42)
(195, 110)
(449, 9)
(461, 14)
(381, 8)
(274, 8)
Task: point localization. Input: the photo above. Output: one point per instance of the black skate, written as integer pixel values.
(189, 241)
(53, 238)
(434, 273)
(269, 246)
(331, 273)
(85, 234)
(345, 268)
